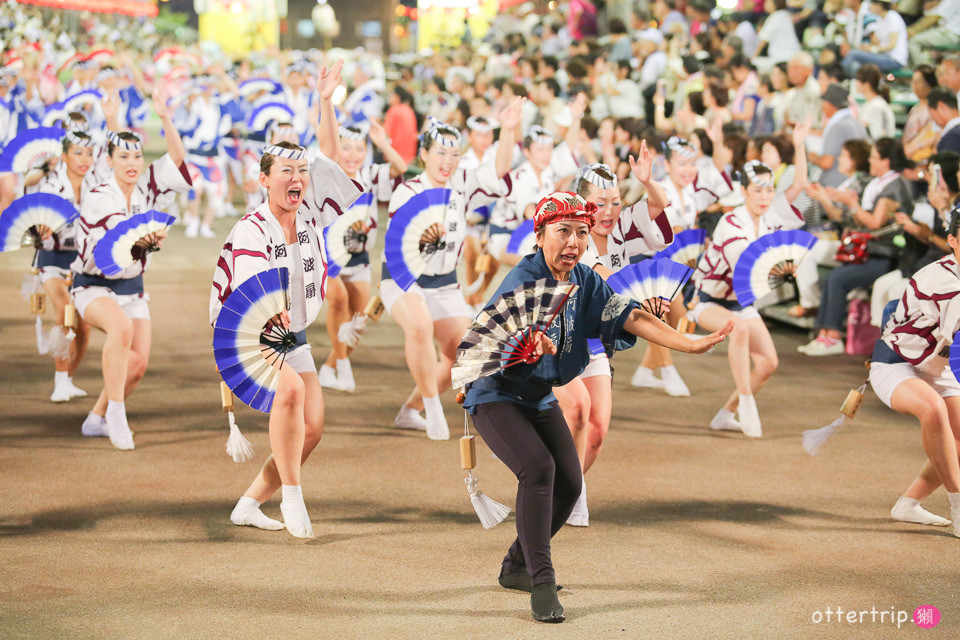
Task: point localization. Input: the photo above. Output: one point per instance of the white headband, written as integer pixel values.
(751, 170)
(681, 147)
(442, 133)
(479, 124)
(106, 73)
(129, 145)
(539, 134)
(290, 154)
(74, 139)
(589, 173)
(353, 133)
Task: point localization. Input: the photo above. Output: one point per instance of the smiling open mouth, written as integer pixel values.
(293, 195)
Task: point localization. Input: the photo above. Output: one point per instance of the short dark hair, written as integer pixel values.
(740, 61)
(942, 96)
(784, 147)
(949, 162)
(616, 25)
(552, 84)
(835, 72)
(891, 149)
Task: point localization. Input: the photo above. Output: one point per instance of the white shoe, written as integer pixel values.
(345, 376)
(580, 516)
(644, 378)
(328, 378)
(120, 434)
(193, 228)
(437, 429)
(61, 393)
(207, 232)
(95, 426)
(77, 392)
(825, 347)
(672, 383)
(410, 418)
(909, 510)
(228, 210)
(749, 417)
(725, 421)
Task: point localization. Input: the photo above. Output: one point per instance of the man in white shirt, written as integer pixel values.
(778, 33)
(939, 27)
(888, 42)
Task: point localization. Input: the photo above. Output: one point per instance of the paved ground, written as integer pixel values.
(693, 534)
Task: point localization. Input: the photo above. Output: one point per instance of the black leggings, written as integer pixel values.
(538, 448)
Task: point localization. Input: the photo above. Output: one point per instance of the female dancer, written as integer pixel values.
(349, 292)
(910, 374)
(686, 201)
(283, 232)
(762, 213)
(587, 400)
(71, 179)
(515, 410)
(117, 305)
(434, 307)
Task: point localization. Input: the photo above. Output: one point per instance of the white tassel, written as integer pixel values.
(813, 439)
(474, 286)
(42, 347)
(238, 447)
(351, 330)
(58, 342)
(490, 512)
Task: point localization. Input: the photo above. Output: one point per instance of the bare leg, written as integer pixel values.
(915, 397)
(338, 312)
(600, 391)
(411, 313)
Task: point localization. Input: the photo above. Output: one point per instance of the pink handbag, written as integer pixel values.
(861, 334)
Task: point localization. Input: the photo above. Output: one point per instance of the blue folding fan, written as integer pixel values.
(954, 355)
(479, 215)
(31, 148)
(522, 240)
(412, 240)
(342, 239)
(651, 282)
(22, 223)
(115, 251)
(269, 112)
(686, 247)
(759, 269)
(249, 87)
(74, 102)
(248, 354)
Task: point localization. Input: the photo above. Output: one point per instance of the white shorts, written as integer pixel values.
(476, 230)
(356, 273)
(497, 244)
(885, 378)
(51, 272)
(301, 359)
(747, 313)
(442, 303)
(134, 305)
(599, 366)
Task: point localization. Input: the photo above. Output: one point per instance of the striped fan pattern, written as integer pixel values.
(411, 239)
(342, 239)
(651, 282)
(758, 270)
(263, 115)
(20, 221)
(502, 335)
(31, 148)
(686, 248)
(114, 252)
(249, 356)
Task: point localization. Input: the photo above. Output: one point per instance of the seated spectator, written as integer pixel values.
(745, 99)
(948, 73)
(888, 42)
(840, 126)
(802, 101)
(920, 132)
(875, 113)
(939, 27)
(763, 123)
(886, 194)
(777, 34)
(943, 110)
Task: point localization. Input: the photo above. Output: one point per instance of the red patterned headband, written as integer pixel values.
(564, 205)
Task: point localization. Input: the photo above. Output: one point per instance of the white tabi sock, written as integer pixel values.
(247, 513)
(294, 511)
(437, 428)
(909, 510)
(120, 434)
(955, 511)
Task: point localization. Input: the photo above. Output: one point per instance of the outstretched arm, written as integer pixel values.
(657, 199)
(800, 161)
(652, 329)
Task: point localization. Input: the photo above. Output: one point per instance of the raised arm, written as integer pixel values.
(799, 160)
(657, 199)
(328, 133)
(379, 137)
(509, 122)
(174, 143)
(577, 107)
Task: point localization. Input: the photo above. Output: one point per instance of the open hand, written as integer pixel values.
(709, 342)
(511, 116)
(643, 165)
(329, 79)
